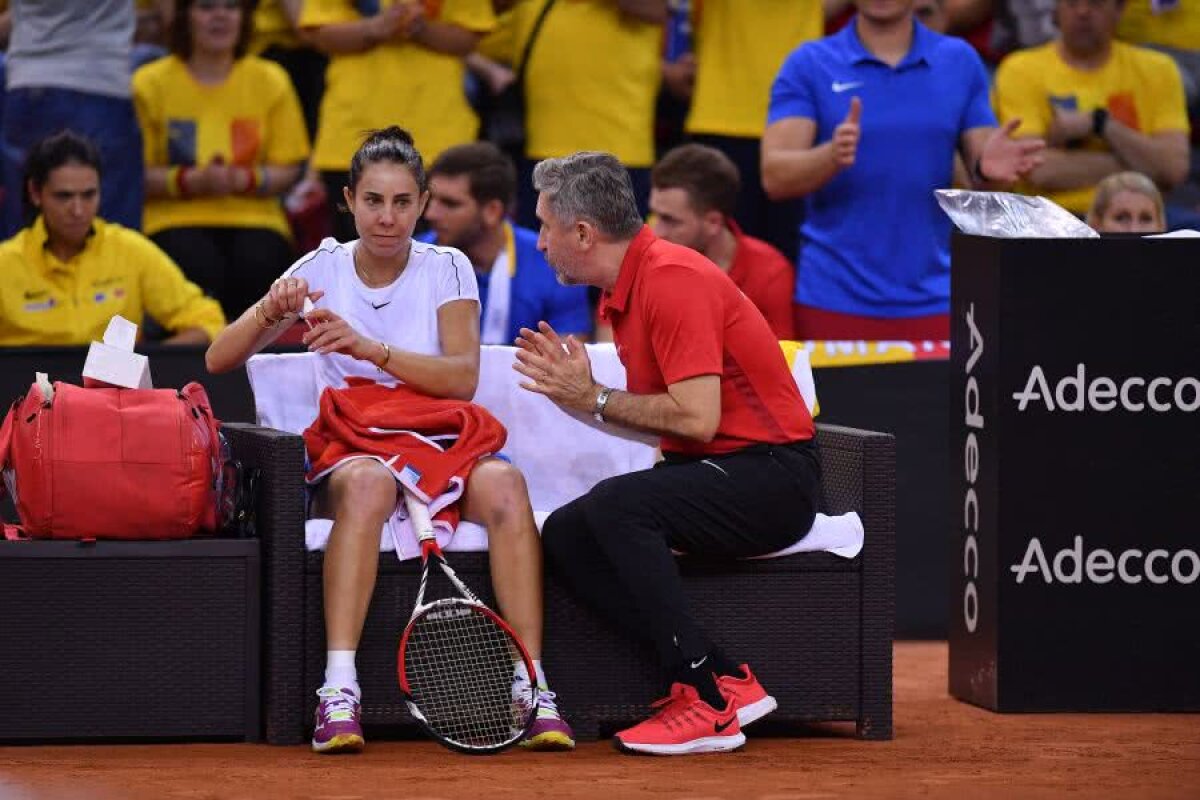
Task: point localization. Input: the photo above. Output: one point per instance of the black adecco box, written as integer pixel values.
(1075, 485)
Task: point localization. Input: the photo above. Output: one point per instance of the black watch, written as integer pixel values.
(1099, 122)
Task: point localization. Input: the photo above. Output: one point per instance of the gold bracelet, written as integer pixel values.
(267, 323)
(387, 355)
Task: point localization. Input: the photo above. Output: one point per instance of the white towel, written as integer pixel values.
(286, 393)
(841, 535)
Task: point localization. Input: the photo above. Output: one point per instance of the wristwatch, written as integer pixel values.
(1099, 122)
(601, 402)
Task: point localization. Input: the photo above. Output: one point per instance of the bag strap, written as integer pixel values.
(519, 77)
(6, 436)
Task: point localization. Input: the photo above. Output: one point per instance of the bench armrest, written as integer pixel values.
(859, 473)
(280, 524)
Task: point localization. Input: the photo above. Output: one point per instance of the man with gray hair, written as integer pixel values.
(740, 472)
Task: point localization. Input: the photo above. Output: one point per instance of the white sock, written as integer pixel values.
(521, 673)
(340, 672)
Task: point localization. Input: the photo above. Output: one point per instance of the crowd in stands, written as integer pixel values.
(796, 143)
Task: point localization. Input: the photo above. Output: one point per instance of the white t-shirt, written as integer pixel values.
(403, 313)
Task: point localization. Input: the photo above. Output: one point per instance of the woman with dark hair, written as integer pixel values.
(69, 272)
(224, 137)
(394, 311)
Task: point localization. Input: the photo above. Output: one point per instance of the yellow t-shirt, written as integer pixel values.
(591, 82)
(399, 83)
(251, 119)
(44, 301)
(272, 27)
(739, 48)
(1179, 27)
(1139, 87)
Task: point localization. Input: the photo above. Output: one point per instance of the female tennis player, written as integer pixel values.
(394, 310)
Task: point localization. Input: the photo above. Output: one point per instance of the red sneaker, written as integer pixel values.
(683, 724)
(747, 695)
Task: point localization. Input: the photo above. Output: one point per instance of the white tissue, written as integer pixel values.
(121, 333)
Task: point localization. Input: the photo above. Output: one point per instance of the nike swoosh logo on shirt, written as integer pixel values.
(720, 727)
(696, 664)
(840, 87)
(381, 305)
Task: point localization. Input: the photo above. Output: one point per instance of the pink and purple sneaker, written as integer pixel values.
(338, 727)
(549, 730)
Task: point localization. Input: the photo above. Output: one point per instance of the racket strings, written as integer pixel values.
(460, 664)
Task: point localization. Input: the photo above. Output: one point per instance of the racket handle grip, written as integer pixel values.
(430, 547)
(418, 515)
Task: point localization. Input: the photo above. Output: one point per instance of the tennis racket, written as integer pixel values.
(458, 659)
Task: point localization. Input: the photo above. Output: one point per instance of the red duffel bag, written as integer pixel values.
(112, 463)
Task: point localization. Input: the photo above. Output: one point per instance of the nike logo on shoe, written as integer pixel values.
(839, 86)
(720, 727)
(381, 305)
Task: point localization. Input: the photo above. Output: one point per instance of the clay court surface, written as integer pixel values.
(942, 749)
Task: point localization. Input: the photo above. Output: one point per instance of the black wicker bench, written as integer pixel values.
(822, 644)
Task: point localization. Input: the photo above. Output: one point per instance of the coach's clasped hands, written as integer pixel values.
(557, 368)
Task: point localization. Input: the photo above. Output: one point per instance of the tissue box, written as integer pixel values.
(113, 361)
(117, 367)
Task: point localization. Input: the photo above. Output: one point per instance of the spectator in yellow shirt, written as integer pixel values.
(740, 47)
(277, 38)
(1103, 106)
(590, 84)
(1171, 27)
(69, 272)
(402, 65)
(224, 137)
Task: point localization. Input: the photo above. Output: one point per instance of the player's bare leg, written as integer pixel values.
(359, 496)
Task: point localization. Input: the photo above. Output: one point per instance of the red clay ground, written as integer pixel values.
(943, 749)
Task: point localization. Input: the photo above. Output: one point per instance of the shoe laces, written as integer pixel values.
(676, 705)
(336, 705)
(547, 707)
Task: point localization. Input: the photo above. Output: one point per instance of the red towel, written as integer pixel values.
(395, 423)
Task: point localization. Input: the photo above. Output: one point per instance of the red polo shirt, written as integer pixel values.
(767, 278)
(675, 315)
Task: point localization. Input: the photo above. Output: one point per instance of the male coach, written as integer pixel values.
(740, 470)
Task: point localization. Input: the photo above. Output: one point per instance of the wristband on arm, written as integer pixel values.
(175, 185)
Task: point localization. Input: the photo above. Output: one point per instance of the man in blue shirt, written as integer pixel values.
(864, 125)
(471, 188)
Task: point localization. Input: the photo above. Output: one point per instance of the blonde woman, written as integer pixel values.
(1127, 202)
